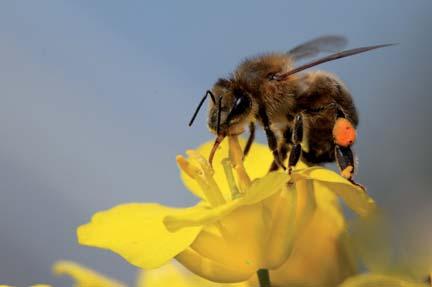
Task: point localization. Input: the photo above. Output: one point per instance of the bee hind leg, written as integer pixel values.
(344, 136)
(345, 161)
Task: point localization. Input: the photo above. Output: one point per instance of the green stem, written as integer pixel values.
(264, 278)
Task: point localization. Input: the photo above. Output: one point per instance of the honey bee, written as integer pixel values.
(309, 115)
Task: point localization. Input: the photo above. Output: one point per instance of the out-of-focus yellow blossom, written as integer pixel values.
(175, 275)
(37, 285)
(240, 226)
(83, 276)
(379, 280)
(178, 276)
(372, 244)
(170, 275)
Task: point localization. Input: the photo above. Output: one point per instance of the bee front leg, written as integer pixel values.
(297, 138)
(250, 139)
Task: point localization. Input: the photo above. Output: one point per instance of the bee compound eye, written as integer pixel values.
(273, 76)
(240, 105)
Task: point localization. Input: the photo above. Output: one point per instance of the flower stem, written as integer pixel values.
(264, 278)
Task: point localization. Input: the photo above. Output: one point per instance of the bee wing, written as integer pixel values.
(329, 58)
(327, 43)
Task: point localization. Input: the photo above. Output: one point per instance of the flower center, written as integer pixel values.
(235, 193)
(203, 176)
(203, 173)
(236, 156)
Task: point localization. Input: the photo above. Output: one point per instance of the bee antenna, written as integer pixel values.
(332, 57)
(208, 92)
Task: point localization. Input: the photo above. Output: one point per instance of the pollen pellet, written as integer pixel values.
(344, 133)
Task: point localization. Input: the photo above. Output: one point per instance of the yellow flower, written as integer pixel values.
(372, 245)
(243, 223)
(172, 274)
(84, 277)
(321, 256)
(166, 276)
(175, 275)
(379, 280)
(37, 285)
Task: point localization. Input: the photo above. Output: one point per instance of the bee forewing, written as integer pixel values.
(326, 43)
(329, 58)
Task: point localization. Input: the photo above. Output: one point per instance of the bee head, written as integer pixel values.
(230, 111)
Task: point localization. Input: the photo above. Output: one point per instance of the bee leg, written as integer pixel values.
(271, 139)
(344, 136)
(345, 161)
(297, 138)
(250, 140)
(272, 143)
(283, 152)
(284, 147)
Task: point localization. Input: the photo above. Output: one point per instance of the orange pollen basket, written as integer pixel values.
(344, 133)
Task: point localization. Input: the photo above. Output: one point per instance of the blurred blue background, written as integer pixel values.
(95, 97)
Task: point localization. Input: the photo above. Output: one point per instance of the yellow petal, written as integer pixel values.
(177, 276)
(317, 259)
(282, 228)
(167, 275)
(306, 202)
(242, 243)
(137, 233)
(210, 269)
(291, 210)
(320, 257)
(83, 276)
(242, 240)
(378, 280)
(354, 196)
